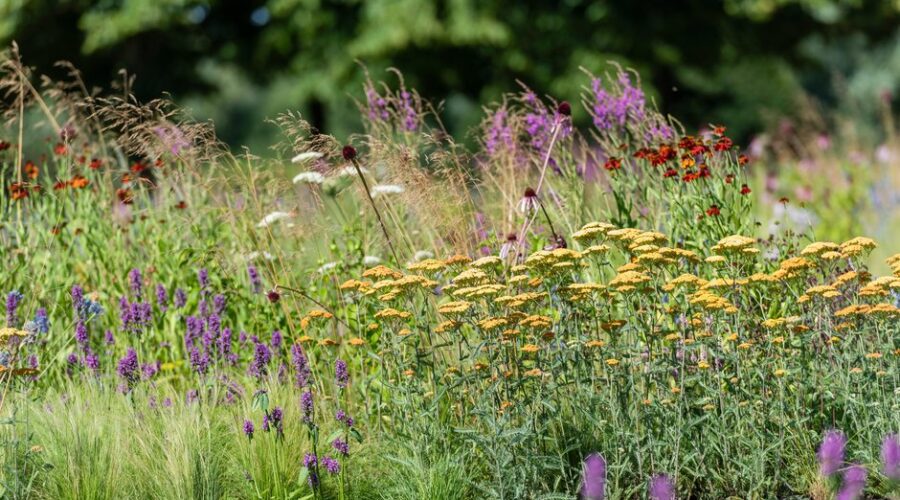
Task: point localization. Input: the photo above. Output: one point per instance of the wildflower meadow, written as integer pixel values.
(580, 299)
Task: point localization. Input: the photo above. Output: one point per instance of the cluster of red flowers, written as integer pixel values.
(691, 153)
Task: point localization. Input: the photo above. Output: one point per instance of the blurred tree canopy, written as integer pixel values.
(739, 62)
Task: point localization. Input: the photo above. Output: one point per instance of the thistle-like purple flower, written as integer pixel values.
(342, 417)
(831, 452)
(593, 483)
(135, 281)
(662, 488)
(306, 407)
(248, 429)
(854, 482)
(13, 299)
(341, 446)
(890, 457)
(377, 105)
(341, 375)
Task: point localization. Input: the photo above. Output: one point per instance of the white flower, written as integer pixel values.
(385, 189)
(371, 260)
(351, 170)
(256, 255)
(327, 267)
(306, 156)
(309, 178)
(422, 255)
(272, 218)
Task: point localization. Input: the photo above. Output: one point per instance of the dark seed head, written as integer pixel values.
(511, 237)
(529, 193)
(564, 108)
(349, 152)
(273, 295)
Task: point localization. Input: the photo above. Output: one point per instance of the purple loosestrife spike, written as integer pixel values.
(77, 297)
(248, 429)
(306, 407)
(180, 298)
(341, 376)
(499, 136)
(261, 357)
(276, 340)
(831, 452)
(331, 465)
(255, 281)
(593, 483)
(890, 457)
(199, 360)
(662, 488)
(203, 307)
(162, 298)
(219, 304)
(91, 360)
(12, 306)
(853, 484)
(135, 281)
(377, 105)
(224, 343)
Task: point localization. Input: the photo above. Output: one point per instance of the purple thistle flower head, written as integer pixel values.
(331, 465)
(341, 375)
(593, 483)
(128, 367)
(662, 487)
(854, 482)
(13, 299)
(248, 429)
(162, 298)
(831, 452)
(255, 280)
(306, 407)
(890, 457)
(135, 281)
(180, 298)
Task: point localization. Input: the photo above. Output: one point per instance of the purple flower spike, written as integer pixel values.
(341, 376)
(180, 298)
(890, 457)
(593, 483)
(248, 429)
(128, 367)
(306, 407)
(203, 278)
(162, 298)
(331, 465)
(831, 452)
(662, 487)
(135, 281)
(255, 281)
(854, 483)
(12, 306)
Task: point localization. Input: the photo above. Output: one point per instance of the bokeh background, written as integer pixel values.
(756, 65)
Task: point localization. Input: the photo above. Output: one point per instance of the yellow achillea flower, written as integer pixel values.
(458, 307)
(519, 300)
(612, 362)
(457, 260)
(631, 266)
(856, 370)
(328, 342)
(780, 372)
(534, 372)
(471, 277)
(447, 326)
(873, 355)
(356, 342)
(492, 323)
(703, 365)
(592, 231)
(625, 234)
(381, 272)
(536, 321)
(414, 281)
(519, 278)
(487, 262)
(318, 313)
(594, 344)
(530, 348)
(471, 292)
(404, 332)
(353, 284)
(714, 259)
(613, 325)
(427, 265)
(595, 250)
(684, 280)
(831, 256)
(733, 243)
(745, 345)
(673, 337)
(818, 248)
(860, 241)
(510, 333)
(629, 278)
(390, 313)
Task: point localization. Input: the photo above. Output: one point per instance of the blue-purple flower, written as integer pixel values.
(13, 299)
(128, 367)
(341, 375)
(248, 429)
(306, 407)
(331, 465)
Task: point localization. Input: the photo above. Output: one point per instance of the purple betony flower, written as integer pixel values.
(162, 298)
(341, 376)
(81, 334)
(276, 340)
(306, 407)
(662, 488)
(224, 343)
(407, 108)
(149, 370)
(312, 467)
(91, 360)
(342, 417)
(593, 482)
(77, 297)
(180, 298)
(135, 281)
(128, 367)
(41, 320)
(248, 429)
(499, 135)
(13, 299)
(854, 482)
(199, 360)
(255, 281)
(219, 304)
(831, 452)
(203, 279)
(302, 372)
(341, 446)
(261, 357)
(108, 337)
(203, 308)
(331, 465)
(890, 457)
(377, 105)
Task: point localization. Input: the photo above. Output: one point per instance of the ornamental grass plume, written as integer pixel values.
(831, 452)
(593, 482)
